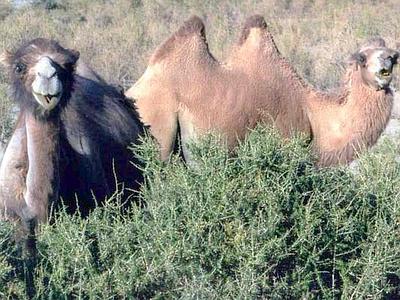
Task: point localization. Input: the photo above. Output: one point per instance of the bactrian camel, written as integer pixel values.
(185, 89)
(71, 139)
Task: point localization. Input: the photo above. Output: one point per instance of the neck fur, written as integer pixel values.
(347, 123)
(342, 124)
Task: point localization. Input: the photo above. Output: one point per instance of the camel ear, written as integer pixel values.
(6, 58)
(73, 56)
(396, 56)
(357, 58)
(76, 55)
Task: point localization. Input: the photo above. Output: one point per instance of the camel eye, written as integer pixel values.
(20, 68)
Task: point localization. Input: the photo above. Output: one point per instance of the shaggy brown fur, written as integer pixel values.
(76, 151)
(47, 146)
(185, 87)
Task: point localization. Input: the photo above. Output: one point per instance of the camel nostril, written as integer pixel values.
(46, 76)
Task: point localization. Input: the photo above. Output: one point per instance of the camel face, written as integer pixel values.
(40, 71)
(376, 66)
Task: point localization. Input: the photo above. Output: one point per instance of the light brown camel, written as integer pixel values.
(185, 88)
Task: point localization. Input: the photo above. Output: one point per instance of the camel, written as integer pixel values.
(71, 138)
(186, 91)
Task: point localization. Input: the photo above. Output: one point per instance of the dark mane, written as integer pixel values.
(97, 124)
(112, 113)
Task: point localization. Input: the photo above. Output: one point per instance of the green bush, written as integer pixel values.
(263, 224)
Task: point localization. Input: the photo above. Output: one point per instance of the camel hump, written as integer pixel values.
(193, 26)
(255, 21)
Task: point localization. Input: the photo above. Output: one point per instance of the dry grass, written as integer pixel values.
(117, 37)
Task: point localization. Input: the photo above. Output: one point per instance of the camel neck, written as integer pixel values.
(43, 161)
(344, 124)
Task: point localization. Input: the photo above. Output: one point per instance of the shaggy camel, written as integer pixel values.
(185, 89)
(71, 139)
(84, 71)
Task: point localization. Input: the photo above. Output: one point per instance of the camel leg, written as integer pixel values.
(163, 122)
(188, 134)
(30, 257)
(165, 131)
(13, 170)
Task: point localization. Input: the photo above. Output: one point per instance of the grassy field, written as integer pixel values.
(265, 224)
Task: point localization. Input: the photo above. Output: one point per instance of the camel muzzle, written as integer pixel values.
(385, 72)
(46, 87)
(387, 69)
(48, 102)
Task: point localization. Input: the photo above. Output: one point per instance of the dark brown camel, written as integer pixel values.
(71, 139)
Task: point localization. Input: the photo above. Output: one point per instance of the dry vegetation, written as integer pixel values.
(117, 36)
(320, 234)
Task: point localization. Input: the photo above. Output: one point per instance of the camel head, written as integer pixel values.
(41, 73)
(375, 63)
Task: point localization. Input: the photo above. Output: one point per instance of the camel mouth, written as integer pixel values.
(385, 73)
(48, 102)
